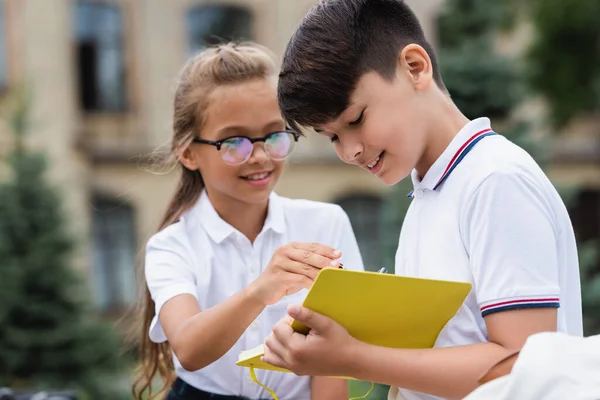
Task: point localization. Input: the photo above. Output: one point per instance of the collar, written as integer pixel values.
(460, 145)
(218, 229)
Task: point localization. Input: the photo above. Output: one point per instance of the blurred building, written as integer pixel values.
(102, 75)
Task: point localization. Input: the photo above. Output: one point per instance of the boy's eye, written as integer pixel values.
(334, 138)
(358, 120)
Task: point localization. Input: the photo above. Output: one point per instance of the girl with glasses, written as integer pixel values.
(230, 254)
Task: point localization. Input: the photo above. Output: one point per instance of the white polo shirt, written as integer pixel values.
(204, 256)
(485, 213)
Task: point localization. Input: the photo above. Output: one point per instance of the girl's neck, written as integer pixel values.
(247, 218)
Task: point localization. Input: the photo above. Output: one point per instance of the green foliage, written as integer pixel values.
(47, 339)
(589, 253)
(393, 210)
(464, 21)
(358, 389)
(480, 82)
(564, 59)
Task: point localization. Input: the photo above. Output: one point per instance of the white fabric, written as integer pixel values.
(498, 223)
(551, 366)
(204, 256)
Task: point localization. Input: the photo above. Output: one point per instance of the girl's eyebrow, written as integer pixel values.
(241, 129)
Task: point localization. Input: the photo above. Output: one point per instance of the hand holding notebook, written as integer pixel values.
(379, 309)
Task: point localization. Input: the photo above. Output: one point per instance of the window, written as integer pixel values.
(113, 254)
(100, 60)
(212, 24)
(364, 213)
(3, 66)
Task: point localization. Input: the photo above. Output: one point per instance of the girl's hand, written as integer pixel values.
(292, 268)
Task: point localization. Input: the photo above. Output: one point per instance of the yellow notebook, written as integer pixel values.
(380, 309)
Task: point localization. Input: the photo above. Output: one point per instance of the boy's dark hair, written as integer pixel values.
(337, 42)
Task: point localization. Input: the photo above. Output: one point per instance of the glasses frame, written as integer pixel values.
(219, 143)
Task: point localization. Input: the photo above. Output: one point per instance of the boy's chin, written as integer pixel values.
(390, 179)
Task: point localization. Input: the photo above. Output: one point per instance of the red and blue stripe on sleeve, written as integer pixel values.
(519, 302)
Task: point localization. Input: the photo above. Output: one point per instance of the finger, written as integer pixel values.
(317, 322)
(285, 320)
(275, 347)
(271, 357)
(300, 269)
(311, 258)
(318, 248)
(283, 333)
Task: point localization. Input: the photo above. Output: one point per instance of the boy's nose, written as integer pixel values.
(351, 153)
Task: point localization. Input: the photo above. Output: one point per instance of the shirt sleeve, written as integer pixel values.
(511, 239)
(345, 241)
(168, 273)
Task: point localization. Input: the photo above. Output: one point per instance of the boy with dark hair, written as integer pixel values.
(362, 73)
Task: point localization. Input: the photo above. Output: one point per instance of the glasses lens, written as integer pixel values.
(279, 145)
(236, 150)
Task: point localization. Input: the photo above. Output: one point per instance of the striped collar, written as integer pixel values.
(458, 148)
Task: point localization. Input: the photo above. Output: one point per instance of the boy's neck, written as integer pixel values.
(249, 219)
(448, 122)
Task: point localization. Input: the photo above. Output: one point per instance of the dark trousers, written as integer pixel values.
(182, 391)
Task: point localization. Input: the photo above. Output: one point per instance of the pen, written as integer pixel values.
(382, 270)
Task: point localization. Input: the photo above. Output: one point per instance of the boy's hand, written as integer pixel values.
(325, 351)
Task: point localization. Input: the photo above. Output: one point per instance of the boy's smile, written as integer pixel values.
(376, 165)
(382, 130)
(390, 126)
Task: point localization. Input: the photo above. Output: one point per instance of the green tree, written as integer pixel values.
(589, 252)
(47, 338)
(480, 81)
(564, 58)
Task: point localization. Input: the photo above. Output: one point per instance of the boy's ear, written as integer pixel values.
(415, 64)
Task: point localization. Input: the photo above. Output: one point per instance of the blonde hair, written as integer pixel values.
(225, 64)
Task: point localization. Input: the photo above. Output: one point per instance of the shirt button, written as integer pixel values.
(419, 194)
(253, 267)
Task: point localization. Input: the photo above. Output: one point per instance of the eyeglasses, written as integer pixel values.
(236, 150)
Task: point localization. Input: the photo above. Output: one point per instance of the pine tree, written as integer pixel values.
(564, 59)
(47, 338)
(480, 81)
